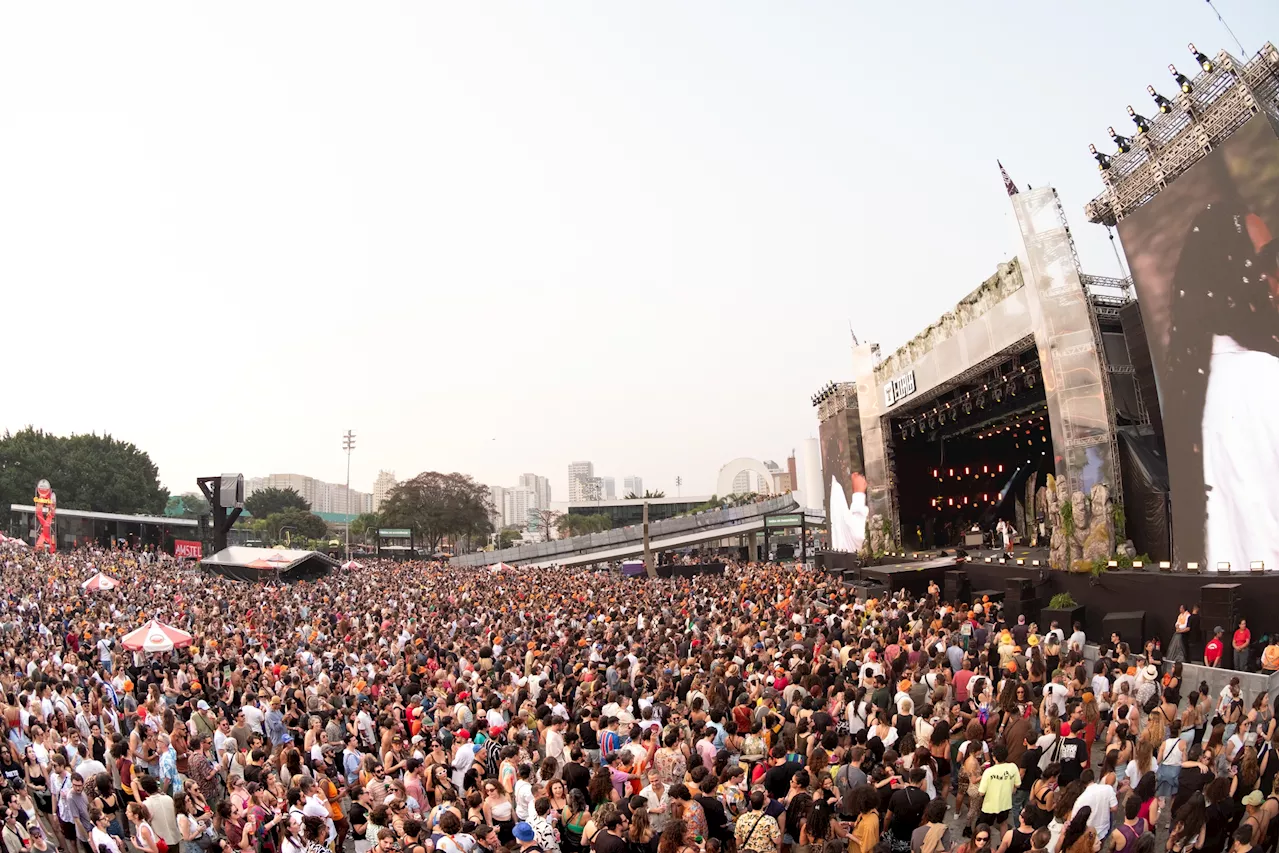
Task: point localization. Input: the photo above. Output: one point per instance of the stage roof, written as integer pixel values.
(264, 564)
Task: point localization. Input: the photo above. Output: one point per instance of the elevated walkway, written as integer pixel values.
(629, 541)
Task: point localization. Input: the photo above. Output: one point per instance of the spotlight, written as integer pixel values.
(1031, 380)
(998, 393)
(1183, 83)
(933, 422)
(1123, 143)
(968, 407)
(1202, 60)
(1144, 126)
(1104, 162)
(1012, 388)
(1165, 105)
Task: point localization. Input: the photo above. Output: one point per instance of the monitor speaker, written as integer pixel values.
(1021, 589)
(1130, 625)
(1015, 607)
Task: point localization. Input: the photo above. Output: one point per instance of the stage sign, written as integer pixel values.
(186, 549)
(1203, 255)
(899, 388)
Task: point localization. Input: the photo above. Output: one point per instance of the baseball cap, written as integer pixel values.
(523, 832)
(202, 705)
(1218, 629)
(1254, 798)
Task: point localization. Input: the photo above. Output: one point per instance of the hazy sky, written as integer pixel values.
(497, 237)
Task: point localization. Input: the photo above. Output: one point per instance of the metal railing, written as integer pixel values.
(543, 551)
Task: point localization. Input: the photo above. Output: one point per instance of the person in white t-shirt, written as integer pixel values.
(1056, 693)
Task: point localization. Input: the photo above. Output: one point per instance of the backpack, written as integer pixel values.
(1153, 702)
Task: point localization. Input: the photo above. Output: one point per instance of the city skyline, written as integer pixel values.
(289, 194)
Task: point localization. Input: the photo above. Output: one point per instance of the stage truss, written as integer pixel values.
(1220, 102)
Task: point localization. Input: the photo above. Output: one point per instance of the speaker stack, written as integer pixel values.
(955, 586)
(1020, 600)
(1219, 606)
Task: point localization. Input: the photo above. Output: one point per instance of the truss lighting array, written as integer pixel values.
(1124, 144)
(996, 391)
(825, 393)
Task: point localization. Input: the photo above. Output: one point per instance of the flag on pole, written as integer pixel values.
(1009, 185)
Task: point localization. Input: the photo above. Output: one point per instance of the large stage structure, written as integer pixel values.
(1043, 398)
(1194, 196)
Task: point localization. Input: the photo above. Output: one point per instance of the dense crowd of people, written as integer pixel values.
(416, 707)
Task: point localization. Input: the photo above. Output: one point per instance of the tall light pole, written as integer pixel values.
(679, 483)
(348, 444)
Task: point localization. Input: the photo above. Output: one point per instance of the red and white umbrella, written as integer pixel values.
(155, 636)
(501, 567)
(99, 582)
(352, 564)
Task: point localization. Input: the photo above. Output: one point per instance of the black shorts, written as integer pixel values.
(993, 819)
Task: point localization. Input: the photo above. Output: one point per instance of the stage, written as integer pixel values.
(1156, 593)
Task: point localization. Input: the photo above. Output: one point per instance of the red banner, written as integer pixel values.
(187, 548)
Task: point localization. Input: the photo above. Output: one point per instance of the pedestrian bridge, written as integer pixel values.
(622, 542)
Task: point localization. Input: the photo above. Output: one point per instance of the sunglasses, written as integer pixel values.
(982, 838)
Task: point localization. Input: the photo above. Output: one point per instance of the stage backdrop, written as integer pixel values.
(1203, 256)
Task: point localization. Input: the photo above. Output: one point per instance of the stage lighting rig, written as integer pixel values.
(1144, 126)
(998, 393)
(1104, 162)
(1123, 143)
(1165, 105)
(1201, 60)
(1183, 83)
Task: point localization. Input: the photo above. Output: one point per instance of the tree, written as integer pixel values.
(364, 524)
(302, 523)
(90, 472)
(436, 505)
(581, 525)
(187, 505)
(632, 496)
(508, 536)
(547, 520)
(265, 502)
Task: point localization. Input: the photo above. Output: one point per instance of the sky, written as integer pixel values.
(495, 238)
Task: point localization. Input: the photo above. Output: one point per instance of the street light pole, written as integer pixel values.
(348, 444)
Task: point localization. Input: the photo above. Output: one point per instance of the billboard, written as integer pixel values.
(837, 454)
(1203, 257)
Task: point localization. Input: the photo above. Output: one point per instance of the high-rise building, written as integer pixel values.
(516, 504)
(320, 496)
(744, 483)
(541, 487)
(633, 485)
(498, 498)
(579, 473)
(608, 488)
(592, 489)
(382, 486)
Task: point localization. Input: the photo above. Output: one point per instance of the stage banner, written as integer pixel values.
(186, 549)
(833, 437)
(1203, 257)
(1068, 342)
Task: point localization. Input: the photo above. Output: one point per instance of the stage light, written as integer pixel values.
(1144, 126)
(1031, 380)
(1021, 562)
(968, 407)
(984, 469)
(1000, 468)
(1201, 60)
(997, 394)
(1183, 83)
(1104, 162)
(986, 498)
(1012, 388)
(1193, 567)
(1137, 564)
(1165, 565)
(951, 472)
(1112, 564)
(988, 559)
(1165, 105)
(1035, 562)
(1224, 566)
(935, 473)
(950, 502)
(982, 401)
(966, 469)
(1257, 566)
(1123, 143)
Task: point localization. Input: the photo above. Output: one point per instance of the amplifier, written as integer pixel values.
(1021, 589)
(955, 585)
(1130, 625)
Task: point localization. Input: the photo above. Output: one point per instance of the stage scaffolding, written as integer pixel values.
(1220, 102)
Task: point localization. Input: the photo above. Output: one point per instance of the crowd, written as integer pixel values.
(416, 707)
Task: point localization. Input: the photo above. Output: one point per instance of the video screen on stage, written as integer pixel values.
(833, 436)
(1203, 257)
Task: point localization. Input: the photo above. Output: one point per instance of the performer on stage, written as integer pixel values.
(1005, 533)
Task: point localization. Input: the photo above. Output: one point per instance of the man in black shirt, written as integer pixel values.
(906, 807)
(777, 779)
(1073, 755)
(717, 819)
(576, 774)
(590, 737)
(609, 838)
